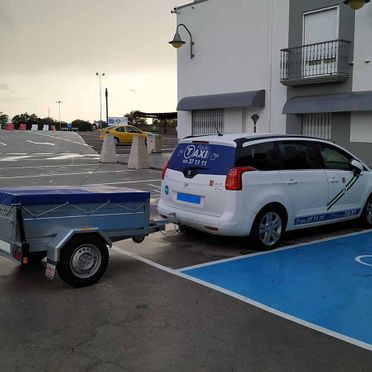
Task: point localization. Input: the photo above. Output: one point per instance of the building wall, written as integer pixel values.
(362, 77)
(346, 32)
(350, 130)
(361, 122)
(237, 48)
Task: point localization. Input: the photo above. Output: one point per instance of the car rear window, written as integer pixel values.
(262, 156)
(203, 158)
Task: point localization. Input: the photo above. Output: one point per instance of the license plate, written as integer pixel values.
(189, 198)
(50, 271)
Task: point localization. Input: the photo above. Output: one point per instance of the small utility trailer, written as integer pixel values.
(72, 226)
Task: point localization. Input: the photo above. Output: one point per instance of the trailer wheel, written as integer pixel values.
(83, 261)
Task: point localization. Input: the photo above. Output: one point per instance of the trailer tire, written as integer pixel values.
(83, 260)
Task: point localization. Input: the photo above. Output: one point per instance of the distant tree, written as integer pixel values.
(82, 125)
(3, 119)
(135, 119)
(25, 118)
(61, 123)
(99, 124)
(164, 126)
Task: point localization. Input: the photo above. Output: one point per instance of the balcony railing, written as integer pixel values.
(315, 63)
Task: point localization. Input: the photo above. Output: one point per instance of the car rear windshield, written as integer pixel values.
(205, 158)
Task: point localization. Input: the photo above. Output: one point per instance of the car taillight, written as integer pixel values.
(164, 170)
(234, 177)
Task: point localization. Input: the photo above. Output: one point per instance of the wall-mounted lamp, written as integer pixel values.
(356, 4)
(177, 42)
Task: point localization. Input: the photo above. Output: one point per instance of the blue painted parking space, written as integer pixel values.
(326, 285)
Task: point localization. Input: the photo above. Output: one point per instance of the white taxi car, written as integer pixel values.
(263, 185)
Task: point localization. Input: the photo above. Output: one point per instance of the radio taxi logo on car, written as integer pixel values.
(200, 152)
(197, 155)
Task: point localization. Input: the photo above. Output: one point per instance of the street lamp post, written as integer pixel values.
(59, 113)
(100, 94)
(106, 95)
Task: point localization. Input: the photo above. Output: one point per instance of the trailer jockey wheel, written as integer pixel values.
(83, 260)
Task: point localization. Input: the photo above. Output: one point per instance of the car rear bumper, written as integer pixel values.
(228, 224)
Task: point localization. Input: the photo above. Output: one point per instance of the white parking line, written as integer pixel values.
(62, 166)
(3, 144)
(155, 186)
(119, 183)
(17, 157)
(42, 143)
(61, 138)
(60, 175)
(31, 157)
(71, 156)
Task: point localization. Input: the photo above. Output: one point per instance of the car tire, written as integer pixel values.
(268, 228)
(138, 239)
(83, 260)
(116, 141)
(366, 216)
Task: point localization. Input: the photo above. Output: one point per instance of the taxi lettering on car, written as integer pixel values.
(262, 185)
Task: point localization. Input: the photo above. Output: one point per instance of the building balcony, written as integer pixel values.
(324, 62)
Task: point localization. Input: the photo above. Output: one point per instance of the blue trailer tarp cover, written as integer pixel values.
(74, 195)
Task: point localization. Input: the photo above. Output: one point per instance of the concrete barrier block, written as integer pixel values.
(108, 151)
(158, 143)
(150, 144)
(138, 157)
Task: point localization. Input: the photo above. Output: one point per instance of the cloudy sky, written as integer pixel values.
(52, 49)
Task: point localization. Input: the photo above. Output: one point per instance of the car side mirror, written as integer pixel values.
(357, 166)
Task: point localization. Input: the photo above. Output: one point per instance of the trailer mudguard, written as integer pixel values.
(64, 235)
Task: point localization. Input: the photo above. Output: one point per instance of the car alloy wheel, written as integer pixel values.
(270, 228)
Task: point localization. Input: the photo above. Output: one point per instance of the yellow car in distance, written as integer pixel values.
(122, 133)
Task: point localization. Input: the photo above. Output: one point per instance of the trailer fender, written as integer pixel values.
(57, 243)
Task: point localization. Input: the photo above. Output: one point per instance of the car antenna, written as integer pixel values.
(218, 132)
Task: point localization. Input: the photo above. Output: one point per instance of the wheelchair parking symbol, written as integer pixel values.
(364, 260)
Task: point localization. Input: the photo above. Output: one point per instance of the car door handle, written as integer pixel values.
(334, 180)
(291, 182)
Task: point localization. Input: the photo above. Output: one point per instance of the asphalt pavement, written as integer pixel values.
(143, 315)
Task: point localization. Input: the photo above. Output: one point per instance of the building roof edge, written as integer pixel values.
(191, 4)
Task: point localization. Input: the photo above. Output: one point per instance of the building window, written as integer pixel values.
(317, 125)
(207, 122)
(320, 34)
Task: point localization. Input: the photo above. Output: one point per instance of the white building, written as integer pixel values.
(302, 66)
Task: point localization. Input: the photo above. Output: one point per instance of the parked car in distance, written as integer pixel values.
(123, 133)
(263, 185)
